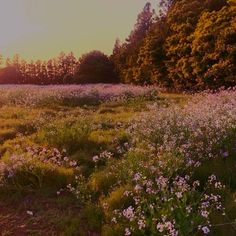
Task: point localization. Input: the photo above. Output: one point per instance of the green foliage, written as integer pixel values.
(70, 226)
(112, 230)
(23, 173)
(148, 150)
(189, 46)
(214, 48)
(152, 52)
(92, 215)
(182, 19)
(67, 134)
(125, 55)
(102, 181)
(117, 199)
(95, 67)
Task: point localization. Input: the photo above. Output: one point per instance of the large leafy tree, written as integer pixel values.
(95, 67)
(150, 67)
(182, 19)
(66, 65)
(150, 61)
(144, 21)
(214, 48)
(125, 55)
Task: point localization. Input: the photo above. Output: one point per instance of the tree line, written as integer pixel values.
(187, 45)
(64, 69)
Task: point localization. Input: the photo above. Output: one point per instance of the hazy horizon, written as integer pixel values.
(42, 29)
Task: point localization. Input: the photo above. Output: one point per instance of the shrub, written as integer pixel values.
(95, 67)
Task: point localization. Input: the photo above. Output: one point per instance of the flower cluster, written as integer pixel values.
(102, 157)
(29, 159)
(176, 206)
(32, 95)
(202, 129)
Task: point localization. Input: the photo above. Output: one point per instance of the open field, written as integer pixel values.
(116, 160)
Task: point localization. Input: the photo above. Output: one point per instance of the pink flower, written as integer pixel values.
(127, 232)
(129, 213)
(205, 230)
(160, 227)
(95, 158)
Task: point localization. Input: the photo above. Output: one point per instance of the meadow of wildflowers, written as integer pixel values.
(31, 95)
(157, 166)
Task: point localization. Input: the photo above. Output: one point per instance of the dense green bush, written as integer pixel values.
(95, 67)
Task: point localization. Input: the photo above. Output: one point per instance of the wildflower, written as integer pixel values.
(73, 163)
(188, 209)
(30, 213)
(205, 230)
(205, 214)
(114, 220)
(95, 158)
(162, 182)
(127, 232)
(127, 193)
(129, 213)
(137, 188)
(141, 224)
(137, 176)
(212, 178)
(178, 194)
(160, 227)
(225, 154)
(196, 184)
(218, 185)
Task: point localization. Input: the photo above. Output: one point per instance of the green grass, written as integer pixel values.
(80, 133)
(83, 132)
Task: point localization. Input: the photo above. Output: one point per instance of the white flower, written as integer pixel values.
(205, 214)
(113, 220)
(141, 224)
(30, 213)
(205, 230)
(127, 232)
(160, 227)
(129, 213)
(95, 158)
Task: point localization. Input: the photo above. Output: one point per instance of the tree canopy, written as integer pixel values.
(95, 67)
(190, 45)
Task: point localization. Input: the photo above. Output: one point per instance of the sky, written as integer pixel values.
(41, 29)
